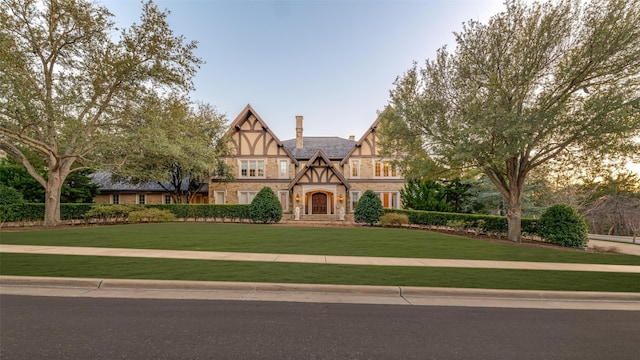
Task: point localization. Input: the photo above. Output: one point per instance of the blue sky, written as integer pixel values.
(333, 62)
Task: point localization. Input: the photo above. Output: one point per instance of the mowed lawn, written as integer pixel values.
(307, 240)
(355, 241)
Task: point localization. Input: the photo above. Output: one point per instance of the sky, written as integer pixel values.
(332, 62)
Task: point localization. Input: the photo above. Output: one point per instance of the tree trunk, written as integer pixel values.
(514, 218)
(52, 199)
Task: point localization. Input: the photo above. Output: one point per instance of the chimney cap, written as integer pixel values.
(352, 137)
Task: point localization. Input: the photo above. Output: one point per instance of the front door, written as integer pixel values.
(319, 203)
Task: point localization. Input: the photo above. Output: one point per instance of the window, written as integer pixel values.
(167, 199)
(251, 168)
(219, 197)
(355, 196)
(355, 168)
(246, 197)
(284, 200)
(390, 200)
(384, 168)
(115, 199)
(283, 168)
(142, 199)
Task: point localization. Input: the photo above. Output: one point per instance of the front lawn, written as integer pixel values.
(357, 241)
(203, 270)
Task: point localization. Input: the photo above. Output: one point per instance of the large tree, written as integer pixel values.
(70, 82)
(179, 146)
(535, 81)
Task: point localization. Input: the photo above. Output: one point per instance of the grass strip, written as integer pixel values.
(205, 270)
(355, 241)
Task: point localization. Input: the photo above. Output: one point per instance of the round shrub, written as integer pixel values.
(394, 219)
(9, 195)
(265, 207)
(369, 208)
(151, 215)
(563, 225)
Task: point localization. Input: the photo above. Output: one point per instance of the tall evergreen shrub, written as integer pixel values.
(265, 207)
(369, 208)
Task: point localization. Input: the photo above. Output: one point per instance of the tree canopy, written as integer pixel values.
(533, 82)
(71, 83)
(178, 146)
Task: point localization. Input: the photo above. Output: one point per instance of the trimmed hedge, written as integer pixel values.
(207, 211)
(35, 211)
(484, 223)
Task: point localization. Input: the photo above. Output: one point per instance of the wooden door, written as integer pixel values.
(319, 203)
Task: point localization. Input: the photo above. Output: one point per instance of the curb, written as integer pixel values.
(283, 288)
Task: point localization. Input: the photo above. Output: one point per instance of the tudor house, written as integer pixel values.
(321, 176)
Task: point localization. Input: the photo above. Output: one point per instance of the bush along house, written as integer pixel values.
(315, 178)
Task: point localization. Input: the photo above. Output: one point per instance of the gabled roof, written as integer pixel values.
(333, 147)
(244, 115)
(309, 165)
(104, 180)
(371, 129)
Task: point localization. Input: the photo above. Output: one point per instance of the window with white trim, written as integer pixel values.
(284, 200)
(283, 169)
(142, 199)
(246, 197)
(389, 199)
(115, 198)
(219, 197)
(355, 168)
(354, 197)
(167, 199)
(384, 168)
(252, 168)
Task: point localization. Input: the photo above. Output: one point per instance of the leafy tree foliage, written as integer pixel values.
(77, 187)
(424, 195)
(265, 207)
(537, 80)
(369, 208)
(9, 195)
(563, 225)
(178, 146)
(72, 84)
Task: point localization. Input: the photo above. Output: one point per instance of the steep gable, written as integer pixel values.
(319, 170)
(366, 146)
(250, 136)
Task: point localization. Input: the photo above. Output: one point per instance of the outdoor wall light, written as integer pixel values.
(340, 198)
(297, 197)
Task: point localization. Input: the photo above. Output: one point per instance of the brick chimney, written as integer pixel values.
(352, 137)
(299, 142)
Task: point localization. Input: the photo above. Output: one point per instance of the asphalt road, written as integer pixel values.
(85, 328)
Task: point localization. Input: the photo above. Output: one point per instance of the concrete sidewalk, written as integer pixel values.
(314, 259)
(343, 294)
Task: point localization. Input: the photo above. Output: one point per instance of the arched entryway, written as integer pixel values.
(319, 203)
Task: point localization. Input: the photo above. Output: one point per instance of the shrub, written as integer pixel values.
(9, 195)
(265, 207)
(394, 219)
(150, 215)
(112, 212)
(563, 225)
(369, 208)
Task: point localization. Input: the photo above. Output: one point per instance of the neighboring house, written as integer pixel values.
(318, 175)
(148, 193)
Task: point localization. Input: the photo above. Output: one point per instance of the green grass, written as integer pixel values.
(302, 240)
(203, 270)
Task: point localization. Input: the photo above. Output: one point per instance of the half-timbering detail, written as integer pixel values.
(319, 176)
